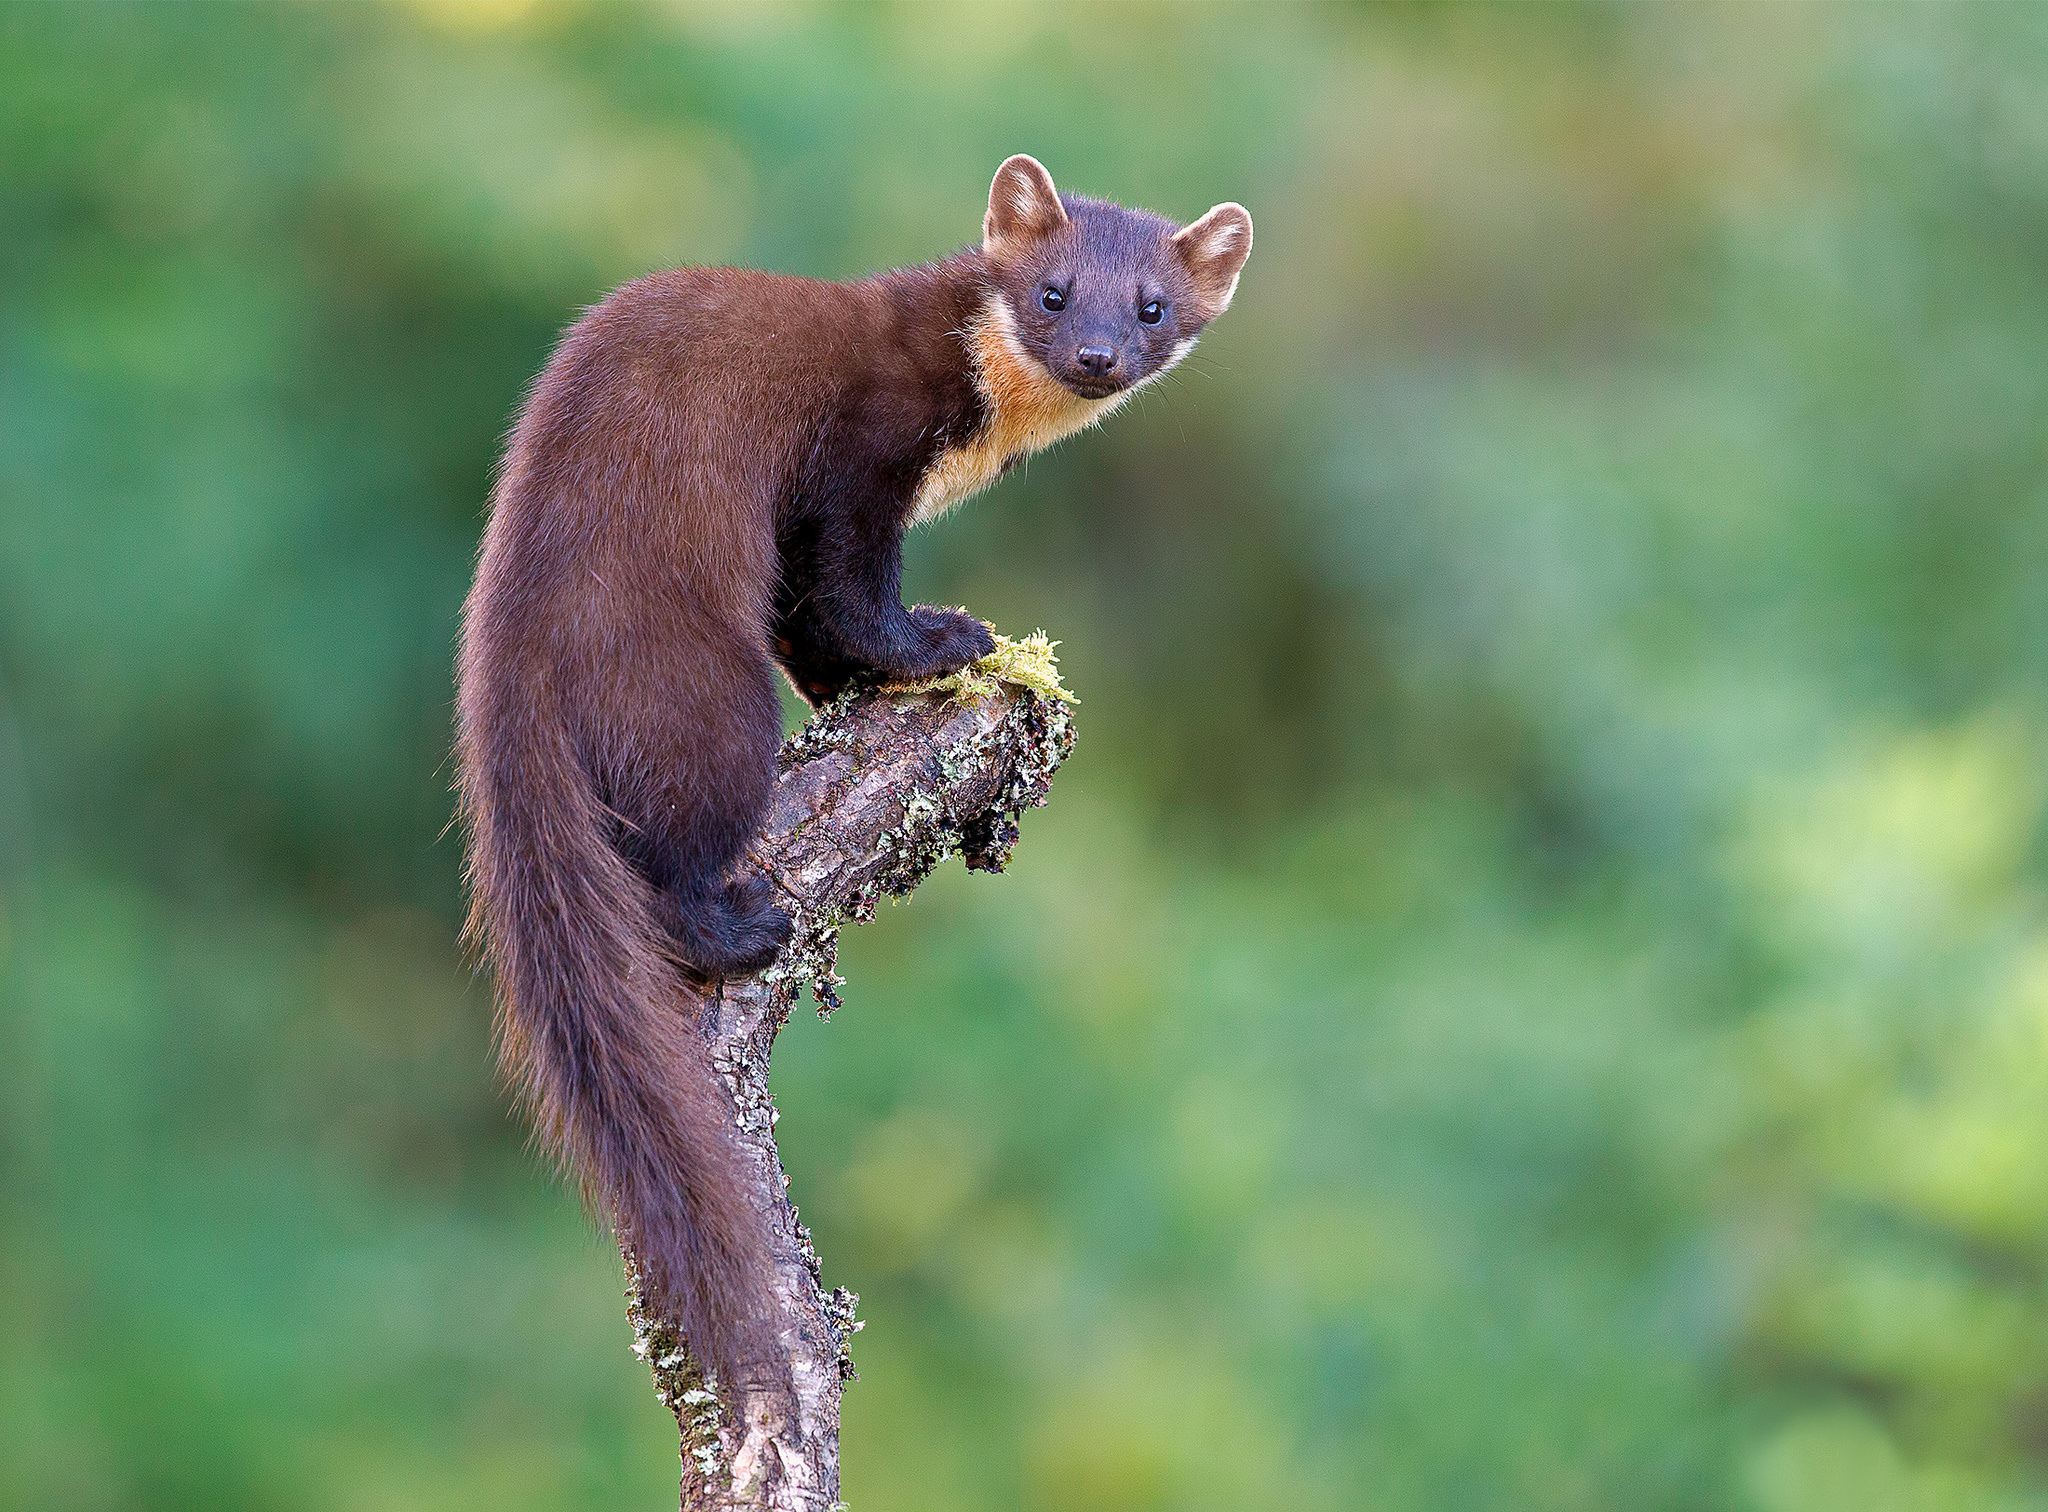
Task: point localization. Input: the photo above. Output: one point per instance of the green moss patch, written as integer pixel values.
(1027, 663)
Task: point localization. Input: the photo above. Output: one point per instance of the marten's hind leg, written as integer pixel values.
(693, 802)
(726, 931)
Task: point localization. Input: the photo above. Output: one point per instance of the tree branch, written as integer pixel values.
(871, 795)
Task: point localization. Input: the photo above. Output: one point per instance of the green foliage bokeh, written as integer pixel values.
(1533, 991)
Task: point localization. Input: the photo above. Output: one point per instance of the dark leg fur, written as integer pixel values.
(946, 640)
(819, 672)
(843, 615)
(689, 815)
(924, 642)
(728, 931)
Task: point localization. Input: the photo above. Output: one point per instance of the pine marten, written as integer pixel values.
(713, 476)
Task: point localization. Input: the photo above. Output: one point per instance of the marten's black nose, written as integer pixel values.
(1096, 360)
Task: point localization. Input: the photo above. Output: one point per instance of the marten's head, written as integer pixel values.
(1103, 297)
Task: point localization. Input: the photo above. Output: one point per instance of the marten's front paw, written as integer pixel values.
(949, 640)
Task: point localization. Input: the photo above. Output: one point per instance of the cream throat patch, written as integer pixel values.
(1028, 410)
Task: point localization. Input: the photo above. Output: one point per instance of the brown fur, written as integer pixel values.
(713, 474)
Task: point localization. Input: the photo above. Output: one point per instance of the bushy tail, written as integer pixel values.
(595, 1028)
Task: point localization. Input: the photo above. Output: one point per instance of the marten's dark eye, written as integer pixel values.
(1053, 299)
(1151, 313)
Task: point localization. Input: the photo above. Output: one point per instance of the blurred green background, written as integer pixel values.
(1533, 990)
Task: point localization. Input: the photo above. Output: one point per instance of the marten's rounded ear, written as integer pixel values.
(1214, 249)
(1022, 206)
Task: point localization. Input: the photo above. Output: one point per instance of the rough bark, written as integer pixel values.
(870, 796)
